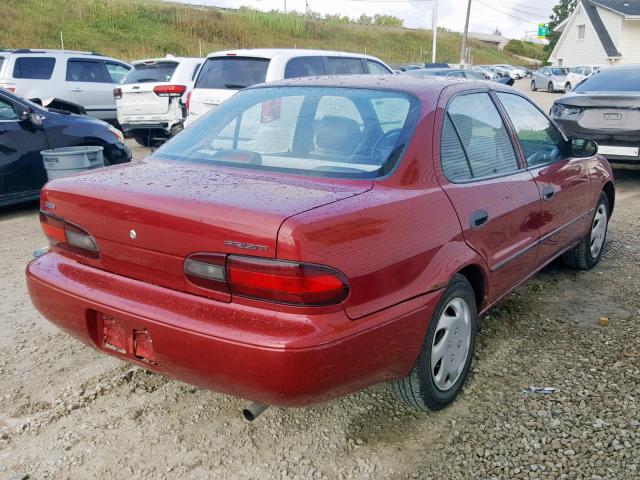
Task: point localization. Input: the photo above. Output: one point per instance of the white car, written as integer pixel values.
(579, 73)
(151, 98)
(84, 78)
(514, 72)
(225, 73)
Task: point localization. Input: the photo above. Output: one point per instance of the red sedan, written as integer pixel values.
(313, 237)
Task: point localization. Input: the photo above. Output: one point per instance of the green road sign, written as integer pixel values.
(543, 30)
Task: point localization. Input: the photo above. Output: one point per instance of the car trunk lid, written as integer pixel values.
(148, 216)
(613, 112)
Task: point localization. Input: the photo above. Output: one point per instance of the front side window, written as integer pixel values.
(474, 127)
(116, 71)
(232, 73)
(304, 67)
(36, 68)
(86, 71)
(344, 66)
(315, 131)
(541, 141)
(7, 112)
(376, 68)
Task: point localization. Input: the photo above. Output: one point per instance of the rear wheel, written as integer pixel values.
(550, 88)
(567, 88)
(587, 253)
(533, 86)
(445, 357)
(143, 138)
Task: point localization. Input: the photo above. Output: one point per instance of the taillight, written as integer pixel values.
(207, 270)
(117, 93)
(169, 90)
(68, 236)
(276, 281)
(10, 88)
(285, 282)
(188, 102)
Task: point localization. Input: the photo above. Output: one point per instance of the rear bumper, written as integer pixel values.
(277, 358)
(130, 126)
(629, 139)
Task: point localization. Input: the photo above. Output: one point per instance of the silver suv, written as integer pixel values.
(84, 78)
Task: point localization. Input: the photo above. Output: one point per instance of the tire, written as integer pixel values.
(420, 389)
(143, 138)
(533, 86)
(567, 88)
(584, 256)
(550, 88)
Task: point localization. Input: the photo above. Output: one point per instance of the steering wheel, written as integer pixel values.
(543, 156)
(384, 145)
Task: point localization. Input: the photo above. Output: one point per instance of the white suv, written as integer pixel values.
(577, 74)
(150, 99)
(84, 78)
(224, 73)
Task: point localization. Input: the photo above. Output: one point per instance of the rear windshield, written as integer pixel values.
(624, 80)
(151, 72)
(315, 131)
(232, 73)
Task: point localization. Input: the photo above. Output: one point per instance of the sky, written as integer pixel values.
(513, 18)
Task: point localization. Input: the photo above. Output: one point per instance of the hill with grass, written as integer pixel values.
(134, 29)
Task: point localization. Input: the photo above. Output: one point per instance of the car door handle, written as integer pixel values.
(478, 218)
(548, 193)
(76, 90)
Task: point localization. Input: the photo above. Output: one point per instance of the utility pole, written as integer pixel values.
(434, 30)
(463, 51)
(285, 7)
(306, 7)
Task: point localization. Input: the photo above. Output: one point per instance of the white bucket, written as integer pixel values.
(62, 162)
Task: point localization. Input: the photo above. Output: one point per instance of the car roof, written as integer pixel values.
(286, 52)
(418, 86)
(165, 59)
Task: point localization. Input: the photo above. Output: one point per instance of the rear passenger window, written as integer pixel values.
(304, 67)
(475, 142)
(86, 71)
(37, 68)
(376, 68)
(344, 66)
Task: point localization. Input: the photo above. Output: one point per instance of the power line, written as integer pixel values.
(390, 1)
(534, 11)
(508, 14)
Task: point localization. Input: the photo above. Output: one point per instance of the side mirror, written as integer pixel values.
(582, 148)
(29, 116)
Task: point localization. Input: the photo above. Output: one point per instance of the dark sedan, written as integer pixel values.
(605, 108)
(26, 129)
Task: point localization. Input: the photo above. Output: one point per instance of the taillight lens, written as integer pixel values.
(188, 102)
(67, 235)
(285, 282)
(169, 90)
(117, 93)
(207, 270)
(274, 281)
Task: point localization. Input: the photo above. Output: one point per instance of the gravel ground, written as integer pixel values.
(68, 412)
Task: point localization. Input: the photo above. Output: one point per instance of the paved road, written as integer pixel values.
(543, 99)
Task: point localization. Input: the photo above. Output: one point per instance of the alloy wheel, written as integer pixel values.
(598, 230)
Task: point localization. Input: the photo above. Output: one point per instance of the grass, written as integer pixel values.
(134, 29)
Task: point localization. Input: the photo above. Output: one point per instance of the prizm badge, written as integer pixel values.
(49, 205)
(245, 246)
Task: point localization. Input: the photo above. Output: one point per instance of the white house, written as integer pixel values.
(599, 32)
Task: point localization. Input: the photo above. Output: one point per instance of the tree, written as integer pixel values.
(560, 12)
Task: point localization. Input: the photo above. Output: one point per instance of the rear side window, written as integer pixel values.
(195, 72)
(232, 73)
(344, 66)
(376, 68)
(37, 68)
(474, 127)
(304, 67)
(86, 71)
(154, 72)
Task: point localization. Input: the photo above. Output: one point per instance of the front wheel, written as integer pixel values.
(550, 88)
(587, 253)
(445, 357)
(533, 86)
(567, 88)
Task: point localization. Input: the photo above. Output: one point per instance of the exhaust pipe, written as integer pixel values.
(253, 410)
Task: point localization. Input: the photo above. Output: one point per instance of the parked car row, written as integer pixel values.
(559, 79)
(459, 73)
